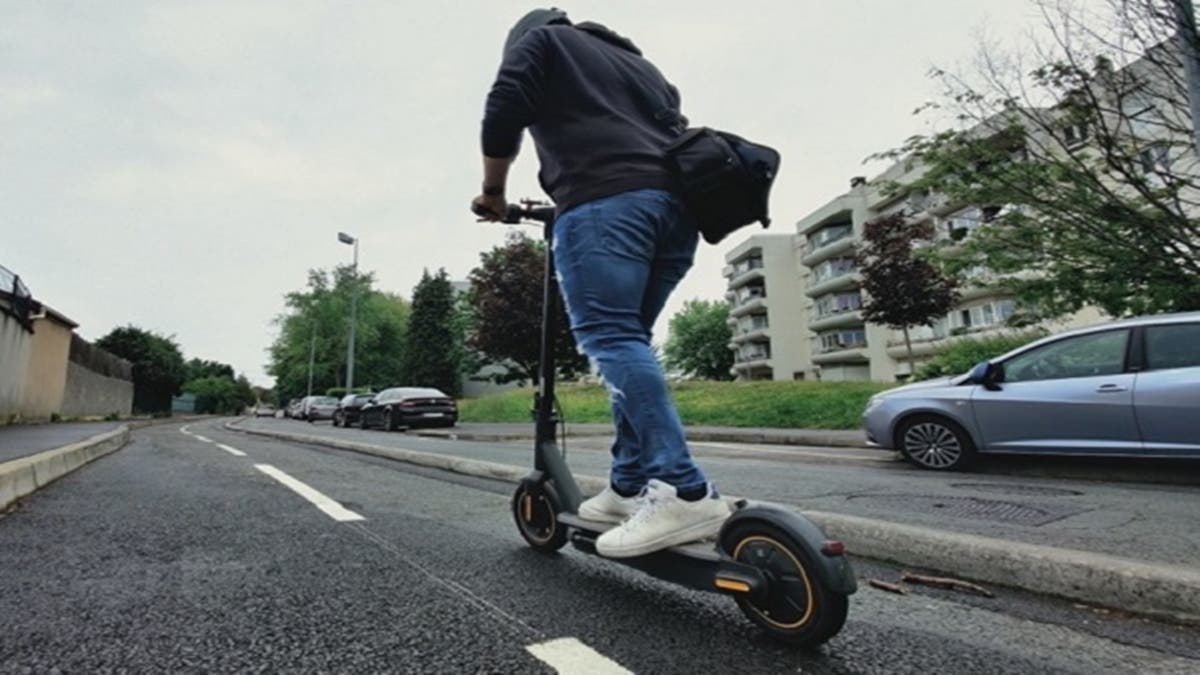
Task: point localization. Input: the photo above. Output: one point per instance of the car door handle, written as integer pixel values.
(1111, 388)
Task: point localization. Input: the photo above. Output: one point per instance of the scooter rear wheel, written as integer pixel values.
(535, 509)
(796, 608)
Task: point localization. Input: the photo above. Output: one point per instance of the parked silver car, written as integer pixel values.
(314, 408)
(1129, 388)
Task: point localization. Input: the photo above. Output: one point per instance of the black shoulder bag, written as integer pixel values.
(724, 179)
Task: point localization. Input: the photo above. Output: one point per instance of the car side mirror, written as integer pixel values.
(987, 374)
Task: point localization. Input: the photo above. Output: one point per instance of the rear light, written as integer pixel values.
(407, 404)
(833, 548)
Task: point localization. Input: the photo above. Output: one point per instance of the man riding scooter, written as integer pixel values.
(622, 242)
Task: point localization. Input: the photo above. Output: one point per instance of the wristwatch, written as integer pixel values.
(493, 190)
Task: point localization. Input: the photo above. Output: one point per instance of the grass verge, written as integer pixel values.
(796, 405)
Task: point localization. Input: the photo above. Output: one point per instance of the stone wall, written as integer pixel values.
(92, 394)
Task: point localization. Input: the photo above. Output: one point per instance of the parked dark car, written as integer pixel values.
(349, 408)
(409, 406)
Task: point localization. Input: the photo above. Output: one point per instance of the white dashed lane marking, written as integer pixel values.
(330, 507)
(233, 451)
(571, 657)
(202, 439)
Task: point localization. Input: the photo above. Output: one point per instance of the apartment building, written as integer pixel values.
(811, 326)
(764, 291)
(837, 343)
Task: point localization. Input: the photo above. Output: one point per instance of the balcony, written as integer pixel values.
(849, 353)
(748, 300)
(836, 319)
(744, 272)
(755, 329)
(752, 357)
(755, 305)
(827, 243)
(817, 286)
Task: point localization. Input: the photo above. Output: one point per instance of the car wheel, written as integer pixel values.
(934, 442)
(336, 421)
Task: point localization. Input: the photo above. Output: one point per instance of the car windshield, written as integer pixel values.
(325, 400)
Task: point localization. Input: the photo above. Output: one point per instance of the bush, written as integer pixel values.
(960, 356)
(55, 417)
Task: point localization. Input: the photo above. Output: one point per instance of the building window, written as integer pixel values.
(828, 235)
(1154, 159)
(837, 303)
(831, 269)
(833, 341)
(1075, 134)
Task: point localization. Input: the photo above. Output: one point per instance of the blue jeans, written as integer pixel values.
(618, 260)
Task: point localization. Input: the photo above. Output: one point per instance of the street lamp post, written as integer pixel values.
(347, 239)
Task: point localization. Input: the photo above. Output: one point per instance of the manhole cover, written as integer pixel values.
(976, 508)
(1018, 490)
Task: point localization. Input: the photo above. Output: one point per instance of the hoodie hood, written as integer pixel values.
(534, 19)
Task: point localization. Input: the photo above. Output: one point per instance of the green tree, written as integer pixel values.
(698, 341)
(505, 303)
(195, 369)
(221, 394)
(158, 368)
(319, 317)
(902, 289)
(1083, 161)
(433, 355)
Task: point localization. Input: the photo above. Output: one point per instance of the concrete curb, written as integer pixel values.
(25, 475)
(1165, 591)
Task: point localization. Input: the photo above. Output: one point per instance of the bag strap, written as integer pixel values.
(664, 114)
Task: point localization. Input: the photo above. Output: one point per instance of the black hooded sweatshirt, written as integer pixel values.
(590, 101)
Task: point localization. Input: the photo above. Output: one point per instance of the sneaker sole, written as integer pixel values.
(701, 530)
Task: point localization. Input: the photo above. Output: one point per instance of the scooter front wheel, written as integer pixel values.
(796, 607)
(535, 509)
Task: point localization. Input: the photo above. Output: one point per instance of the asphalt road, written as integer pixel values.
(1151, 522)
(21, 440)
(180, 555)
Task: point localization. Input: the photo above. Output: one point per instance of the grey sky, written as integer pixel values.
(179, 166)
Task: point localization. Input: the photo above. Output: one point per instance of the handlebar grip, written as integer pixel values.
(512, 215)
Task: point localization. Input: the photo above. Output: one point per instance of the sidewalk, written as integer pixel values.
(491, 431)
(22, 440)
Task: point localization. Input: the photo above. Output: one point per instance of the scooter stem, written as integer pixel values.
(547, 457)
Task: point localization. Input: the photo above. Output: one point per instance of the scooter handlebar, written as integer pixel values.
(515, 214)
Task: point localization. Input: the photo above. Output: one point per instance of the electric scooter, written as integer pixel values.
(784, 573)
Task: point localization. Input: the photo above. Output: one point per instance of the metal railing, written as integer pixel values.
(21, 302)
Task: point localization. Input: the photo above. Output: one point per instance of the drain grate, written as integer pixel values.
(975, 508)
(1018, 490)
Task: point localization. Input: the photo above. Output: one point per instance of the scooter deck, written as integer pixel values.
(705, 549)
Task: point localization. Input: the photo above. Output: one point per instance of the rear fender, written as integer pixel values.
(834, 570)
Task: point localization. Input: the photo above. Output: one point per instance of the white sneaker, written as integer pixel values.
(663, 520)
(608, 507)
